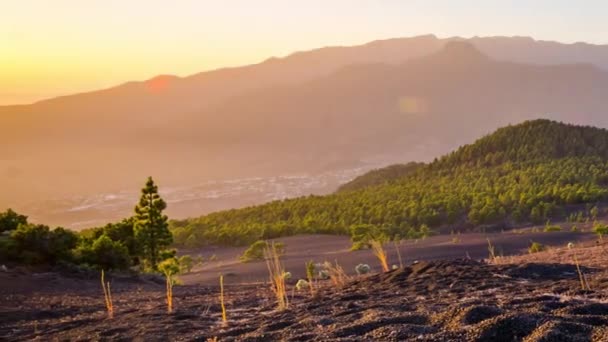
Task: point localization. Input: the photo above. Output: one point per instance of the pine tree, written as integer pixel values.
(151, 227)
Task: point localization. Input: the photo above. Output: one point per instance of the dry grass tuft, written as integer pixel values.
(107, 293)
(581, 276)
(277, 275)
(398, 254)
(224, 317)
(492, 251)
(336, 274)
(380, 253)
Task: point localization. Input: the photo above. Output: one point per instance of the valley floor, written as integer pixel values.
(527, 297)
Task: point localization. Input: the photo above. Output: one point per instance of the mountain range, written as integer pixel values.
(325, 110)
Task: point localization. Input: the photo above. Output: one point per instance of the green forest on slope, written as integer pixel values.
(524, 173)
(381, 176)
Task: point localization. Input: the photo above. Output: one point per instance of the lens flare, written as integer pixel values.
(412, 105)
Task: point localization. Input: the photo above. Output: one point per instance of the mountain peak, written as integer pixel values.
(460, 52)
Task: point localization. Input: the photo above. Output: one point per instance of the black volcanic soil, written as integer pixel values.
(320, 248)
(531, 299)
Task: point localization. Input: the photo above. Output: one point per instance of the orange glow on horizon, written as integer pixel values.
(159, 84)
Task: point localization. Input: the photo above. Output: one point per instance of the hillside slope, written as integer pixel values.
(524, 173)
(381, 176)
(538, 140)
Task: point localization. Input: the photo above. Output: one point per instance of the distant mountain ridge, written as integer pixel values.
(326, 109)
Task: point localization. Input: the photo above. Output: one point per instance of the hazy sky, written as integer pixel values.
(54, 47)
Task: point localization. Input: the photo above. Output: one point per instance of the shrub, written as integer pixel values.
(600, 229)
(61, 244)
(8, 249)
(536, 247)
(552, 228)
(10, 220)
(360, 236)
(104, 254)
(31, 242)
(302, 284)
(38, 244)
(256, 251)
(186, 263)
(362, 269)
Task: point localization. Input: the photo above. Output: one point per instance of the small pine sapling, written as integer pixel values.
(310, 276)
(170, 268)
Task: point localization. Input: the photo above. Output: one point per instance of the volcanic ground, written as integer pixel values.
(525, 297)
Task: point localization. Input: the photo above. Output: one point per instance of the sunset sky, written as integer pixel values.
(50, 48)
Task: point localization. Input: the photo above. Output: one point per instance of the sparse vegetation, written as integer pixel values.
(600, 229)
(223, 306)
(362, 269)
(277, 275)
(380, 253)
(107, 294)
(491, 250)
(398, 253)
(186, 263)
(256, 251)
(581, 276)
(310, 276)
(536, 247)
(301, 284)
(552, 228)
(170, 268)
(335, 273)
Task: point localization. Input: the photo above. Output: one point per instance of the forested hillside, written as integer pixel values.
(381, 176)
(519, 174)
